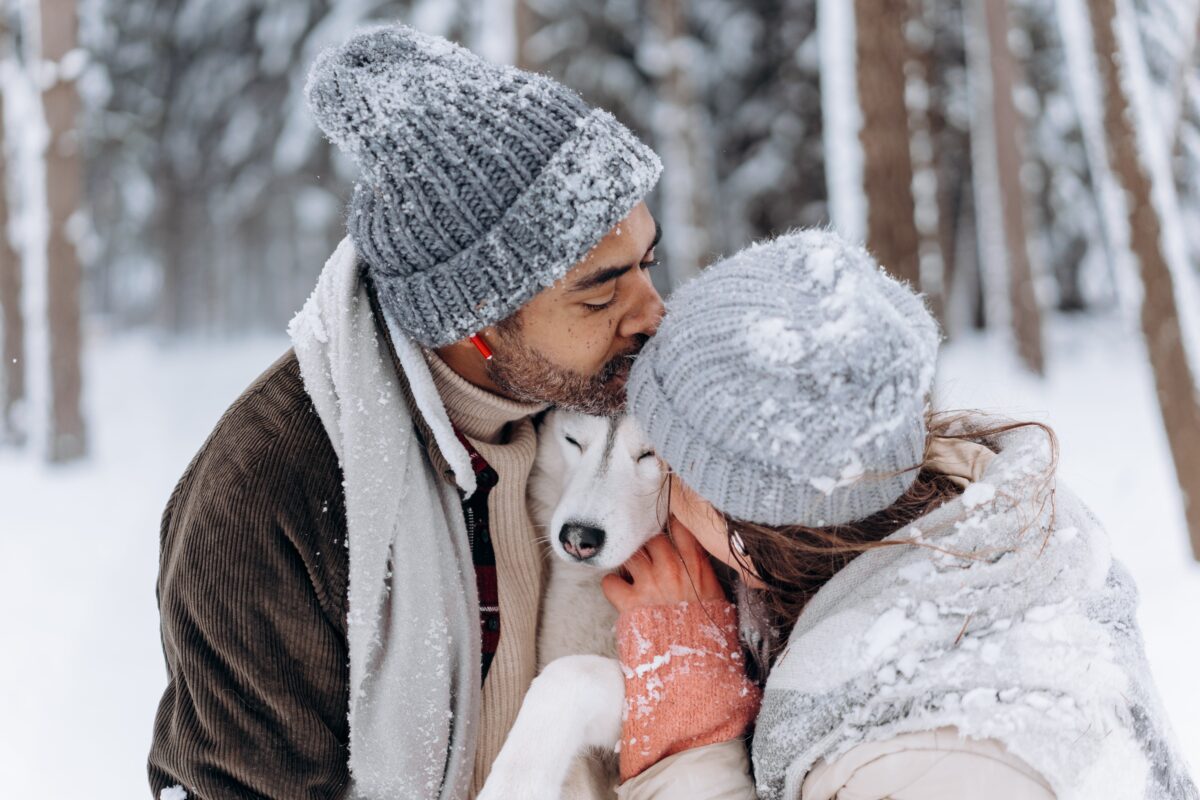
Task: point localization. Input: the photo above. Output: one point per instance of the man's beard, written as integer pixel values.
(525, 374)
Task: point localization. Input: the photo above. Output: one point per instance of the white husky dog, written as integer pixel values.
(595, 494)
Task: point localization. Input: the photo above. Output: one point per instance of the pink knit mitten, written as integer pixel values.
(685, 681)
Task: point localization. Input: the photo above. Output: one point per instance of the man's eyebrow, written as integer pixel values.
(603, 276)
(598, 278)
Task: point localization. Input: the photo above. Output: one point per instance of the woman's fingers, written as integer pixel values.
(661, 551)
(665, 571)
(618, 592)
(639, 565)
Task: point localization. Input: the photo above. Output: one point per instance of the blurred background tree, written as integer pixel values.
(974, 146)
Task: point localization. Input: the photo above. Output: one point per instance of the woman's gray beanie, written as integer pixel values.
(480, 184)
(787, 384)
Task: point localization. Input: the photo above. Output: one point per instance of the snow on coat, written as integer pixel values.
(1007, 619)
(413, 607)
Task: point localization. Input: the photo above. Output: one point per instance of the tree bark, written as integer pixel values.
(12, 336)
(1173, 377)
(882, 52)
(1026, 316)
(683, 137)
(1001, 202)
(925, 126)
(67, 436)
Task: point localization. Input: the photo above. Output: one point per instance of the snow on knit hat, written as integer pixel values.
(480, 184)
(787, 384)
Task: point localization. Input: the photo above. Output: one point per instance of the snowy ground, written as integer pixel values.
(82, 669)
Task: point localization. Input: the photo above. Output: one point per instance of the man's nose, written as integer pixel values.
(646, 314)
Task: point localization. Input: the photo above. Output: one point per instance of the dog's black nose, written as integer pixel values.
(581, 541)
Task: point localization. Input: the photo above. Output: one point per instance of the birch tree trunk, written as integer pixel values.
(883, 52)
(12, 336)
(66, 437)
(1173, 377)
(1000, 196)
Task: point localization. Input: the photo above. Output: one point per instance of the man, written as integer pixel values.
(349, 580)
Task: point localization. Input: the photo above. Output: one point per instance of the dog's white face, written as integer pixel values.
(600, 486)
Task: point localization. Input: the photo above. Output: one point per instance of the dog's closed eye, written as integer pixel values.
(645, 455)
(572, 440)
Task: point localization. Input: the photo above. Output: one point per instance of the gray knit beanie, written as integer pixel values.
(480, 184)
(787, 384)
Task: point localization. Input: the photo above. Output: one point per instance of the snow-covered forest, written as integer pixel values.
(1033, 166)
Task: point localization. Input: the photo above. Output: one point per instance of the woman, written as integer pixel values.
(938, 617)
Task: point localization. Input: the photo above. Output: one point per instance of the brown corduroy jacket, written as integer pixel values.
(252, 594)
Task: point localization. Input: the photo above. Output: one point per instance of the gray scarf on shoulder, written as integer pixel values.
(413, 608)
(1012, 623)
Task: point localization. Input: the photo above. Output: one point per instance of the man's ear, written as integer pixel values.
(455, 350)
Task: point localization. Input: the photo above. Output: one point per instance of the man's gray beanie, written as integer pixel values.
(787, 384)
(481, 185)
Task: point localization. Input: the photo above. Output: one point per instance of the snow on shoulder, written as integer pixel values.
(1007, 619)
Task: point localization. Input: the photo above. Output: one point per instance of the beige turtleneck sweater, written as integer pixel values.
(502, 431)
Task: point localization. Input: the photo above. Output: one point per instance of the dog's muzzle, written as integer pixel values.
(581, 542)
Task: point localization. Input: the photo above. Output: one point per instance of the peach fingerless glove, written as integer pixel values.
(685, 681)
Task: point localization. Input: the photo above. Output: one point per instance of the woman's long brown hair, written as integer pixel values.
(795, 561)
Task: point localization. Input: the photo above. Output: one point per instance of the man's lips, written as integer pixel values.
(620, 375)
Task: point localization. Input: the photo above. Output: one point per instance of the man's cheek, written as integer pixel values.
(590, 355)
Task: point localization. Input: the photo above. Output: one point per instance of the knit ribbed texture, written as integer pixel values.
(252, 593)
(788, 383)
(503, 433)
(481, 184)
(685, 681)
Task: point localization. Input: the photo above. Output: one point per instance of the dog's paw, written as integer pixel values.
(590, 691)
(573, 706)
(527, 781)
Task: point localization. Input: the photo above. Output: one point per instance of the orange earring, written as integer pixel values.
(482, 347)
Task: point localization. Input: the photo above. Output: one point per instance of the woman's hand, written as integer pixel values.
(665, 572)
(677, 641)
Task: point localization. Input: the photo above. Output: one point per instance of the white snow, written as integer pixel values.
(773, 340)
(83, 670)
(885, 632)
(978, 494)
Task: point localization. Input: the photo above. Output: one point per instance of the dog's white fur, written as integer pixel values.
(601, 473)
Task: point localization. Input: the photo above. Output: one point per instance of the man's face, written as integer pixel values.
(574, 343)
